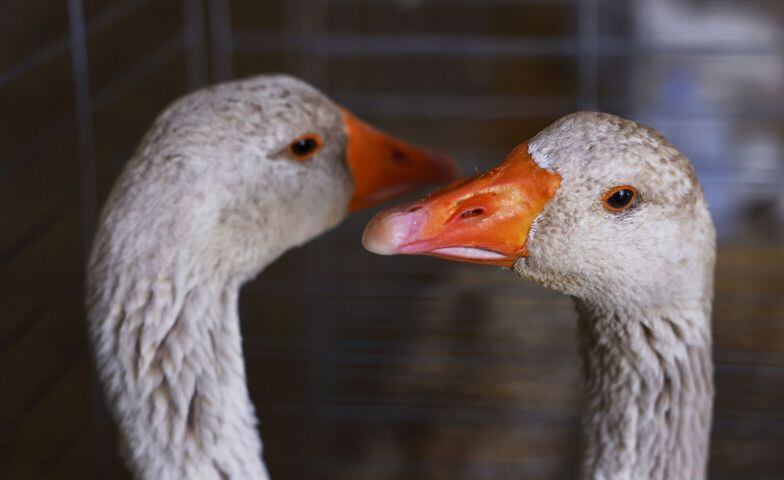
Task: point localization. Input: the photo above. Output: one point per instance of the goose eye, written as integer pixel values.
(618, 199)
(305, 146)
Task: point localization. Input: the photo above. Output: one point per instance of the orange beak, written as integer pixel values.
(481, 220)
(384, 167)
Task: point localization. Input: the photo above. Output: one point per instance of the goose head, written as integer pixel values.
(239, 172)
(595, 206)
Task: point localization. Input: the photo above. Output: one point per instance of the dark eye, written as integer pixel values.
(618, 199)
(305, 146)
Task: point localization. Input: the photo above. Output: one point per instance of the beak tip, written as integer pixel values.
(374, 242)
(388, 231)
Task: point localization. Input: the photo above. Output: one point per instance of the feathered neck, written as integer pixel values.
(168, 348)
(648, 383)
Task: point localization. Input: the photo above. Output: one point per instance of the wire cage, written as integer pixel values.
(361, 367)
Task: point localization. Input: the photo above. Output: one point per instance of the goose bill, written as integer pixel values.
(384, 167)
(485, 219)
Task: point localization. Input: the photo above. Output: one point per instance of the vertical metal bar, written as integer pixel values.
(222, 40)
(87, 180)
(588, 54)
(193, 43)
(84, 118)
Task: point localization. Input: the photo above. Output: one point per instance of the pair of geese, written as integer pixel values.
(230, 177)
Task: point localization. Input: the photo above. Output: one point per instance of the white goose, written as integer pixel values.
(607, 211)
(226, 180)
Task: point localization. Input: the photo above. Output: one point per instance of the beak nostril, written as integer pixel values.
(398, 156)
(414, 209)
(472, 213)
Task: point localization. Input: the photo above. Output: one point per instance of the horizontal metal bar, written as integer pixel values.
(101, 21)
(357, 44)
(473, 45)
(34, 60)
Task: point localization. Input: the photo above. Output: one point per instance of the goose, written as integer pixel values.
(226, 180)
(608, 212)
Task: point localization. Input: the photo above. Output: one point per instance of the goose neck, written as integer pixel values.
(648, 387)
(169, 351)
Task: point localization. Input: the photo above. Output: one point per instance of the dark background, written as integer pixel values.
(364, 367)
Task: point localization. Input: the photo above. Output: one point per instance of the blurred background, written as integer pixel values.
(363, 366)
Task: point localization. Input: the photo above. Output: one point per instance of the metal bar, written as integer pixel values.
(84, 119)
(193, 37)
(375, 44)
(33, 61)
(222, 40)
(88, 189)
(259, 41)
